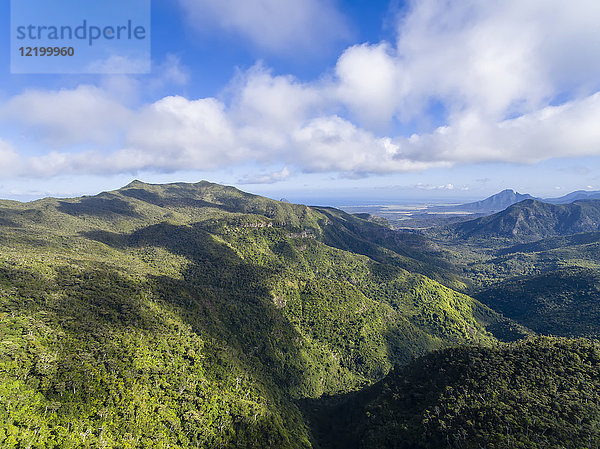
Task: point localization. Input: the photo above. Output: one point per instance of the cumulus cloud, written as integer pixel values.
(554, 131)
(273, 25)
(266, 178)
(269, 108)
(370, 82)
(498, 58)
(472, 55)
(496, 68)
(176, 133)
(335, 144)
(68, 116)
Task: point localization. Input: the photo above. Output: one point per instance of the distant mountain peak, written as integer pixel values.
(507, 193)
(135, 183)
(507, 197)
(494, 203)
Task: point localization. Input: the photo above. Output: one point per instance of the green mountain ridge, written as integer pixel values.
(532, 220)
(196, 314)
(532, 263)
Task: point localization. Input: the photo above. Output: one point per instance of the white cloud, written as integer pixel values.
(67, 117)
(266, 178)
(175, 133)
(170, 72)
(470, 55)
(269, 108)
(495, 59)
(370, 82)
(555, 131)
(335, 144)
(274, 25)
(262, 98)
(498, 58)
(495, 67)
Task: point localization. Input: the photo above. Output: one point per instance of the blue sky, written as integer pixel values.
(323, 101)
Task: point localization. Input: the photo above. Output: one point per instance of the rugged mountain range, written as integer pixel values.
(189, 315)
(197, 315)
(532, 220)
(502, 200)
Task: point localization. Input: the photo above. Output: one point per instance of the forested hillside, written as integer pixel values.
(562, 302)
(539, 393)
(532, 220)
(192, 315)
(532, 263)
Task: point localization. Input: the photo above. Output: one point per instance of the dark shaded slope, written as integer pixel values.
(541, 393)
(564, 302)
(101, 357)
